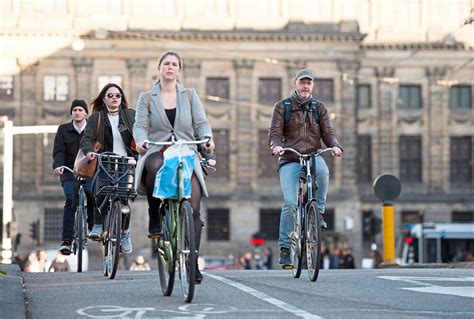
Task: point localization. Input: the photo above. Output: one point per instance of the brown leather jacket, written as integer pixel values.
(303, 136)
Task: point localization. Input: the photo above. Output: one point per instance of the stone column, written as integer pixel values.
(83, 69)
(25, 172)
(347, 124)
(192, 73)
(384, 140)
(137, 80)
(244, 130)
(437, 163)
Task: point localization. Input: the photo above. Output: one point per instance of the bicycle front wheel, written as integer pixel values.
(297, 244)
(187, 250)
(313, 241)
(113, 237)
(166, 261)
(79, 230)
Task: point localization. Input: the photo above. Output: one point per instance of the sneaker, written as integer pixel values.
(65, 248)
(285, 260)
(198, 278)
(324, 225)
(126, 243)
(96, 232)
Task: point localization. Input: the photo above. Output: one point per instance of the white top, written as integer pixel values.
(119, 145)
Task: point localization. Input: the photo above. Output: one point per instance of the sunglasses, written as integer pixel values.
(111, 95)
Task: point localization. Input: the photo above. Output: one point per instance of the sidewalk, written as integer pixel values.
(11, 293)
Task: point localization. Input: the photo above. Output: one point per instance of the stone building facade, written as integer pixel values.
(399, 92)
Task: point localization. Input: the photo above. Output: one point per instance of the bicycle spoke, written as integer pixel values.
(187, 251)
(313, 243)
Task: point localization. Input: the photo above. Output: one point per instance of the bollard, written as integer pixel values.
(388, 234)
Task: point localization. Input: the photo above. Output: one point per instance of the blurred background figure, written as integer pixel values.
(247, 260)
(59, 264)
(347, 259)
(43, 261)
(335, 259)
(377, 259)
(32, 264)
(139, 264)
(268, 258)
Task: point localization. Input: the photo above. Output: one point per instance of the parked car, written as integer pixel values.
(215, 263)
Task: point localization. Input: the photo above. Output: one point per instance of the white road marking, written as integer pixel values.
(434, 289)
(262, 296)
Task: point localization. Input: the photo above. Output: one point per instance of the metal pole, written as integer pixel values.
(420, 246)
(388, 234)
(7, 190)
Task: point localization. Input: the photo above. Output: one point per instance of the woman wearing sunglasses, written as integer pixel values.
(114, 133)
(169, 109)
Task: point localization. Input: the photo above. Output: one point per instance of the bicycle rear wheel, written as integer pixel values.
(297, 244)
(166, 259)
(313, 241)
(79, 230)
(186, 250)
(113, 237)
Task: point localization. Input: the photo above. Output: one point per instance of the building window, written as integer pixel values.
(330, 218)
(363, 96)
(410, 217)
(53, 224)
(462, 217)
(103, 80)
(6, 88)
(267, 163)
(269, 91)
(218, 224)
(460, 97)
(409, 97)
(221, 139)
(323, 90)
(56, 88)
(217, 87)
(410, 158)
(461, 160)
(364, 159)
(270, 223)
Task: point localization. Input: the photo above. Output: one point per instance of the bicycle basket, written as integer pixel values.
(114, 176)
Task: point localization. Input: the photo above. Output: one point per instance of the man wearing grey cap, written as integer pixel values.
(302, 126)
(66, 146)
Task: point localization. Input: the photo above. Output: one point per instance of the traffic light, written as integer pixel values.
(257, 239)
(34, 230)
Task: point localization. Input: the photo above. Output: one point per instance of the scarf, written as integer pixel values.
(301, 102)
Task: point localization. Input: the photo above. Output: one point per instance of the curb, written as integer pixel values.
(11, 292)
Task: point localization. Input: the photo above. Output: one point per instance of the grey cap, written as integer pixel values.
(304, 74)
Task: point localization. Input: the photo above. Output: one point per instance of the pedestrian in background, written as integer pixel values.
(59, 264)
(140, 264)
(66, 146)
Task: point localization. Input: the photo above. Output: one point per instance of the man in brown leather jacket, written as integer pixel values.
(304, 127)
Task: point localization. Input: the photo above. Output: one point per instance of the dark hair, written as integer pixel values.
(173, 53)
(98, 103)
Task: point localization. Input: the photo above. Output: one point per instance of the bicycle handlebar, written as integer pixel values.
(179, 142)
(318, 153)
(66, 168)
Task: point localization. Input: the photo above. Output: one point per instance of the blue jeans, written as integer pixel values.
(69, 190)
(289, 178)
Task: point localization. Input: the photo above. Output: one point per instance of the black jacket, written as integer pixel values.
(66, 145)
(104, 135)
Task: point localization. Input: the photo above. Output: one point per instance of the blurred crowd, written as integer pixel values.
(37, 261)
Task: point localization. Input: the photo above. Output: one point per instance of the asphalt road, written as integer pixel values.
(385, 293)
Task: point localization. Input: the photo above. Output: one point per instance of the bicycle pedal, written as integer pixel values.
(287, 266)
(154, 235)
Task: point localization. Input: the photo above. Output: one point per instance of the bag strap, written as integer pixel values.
(313, 109)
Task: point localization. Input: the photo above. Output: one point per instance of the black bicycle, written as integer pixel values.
(79, 240)
(114, 180)
(306, 234)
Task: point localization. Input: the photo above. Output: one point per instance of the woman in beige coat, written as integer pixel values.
(169, 109)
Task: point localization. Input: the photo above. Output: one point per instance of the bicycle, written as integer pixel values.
(113, 180)
(176, 244)
(79, 240)
(306, 234)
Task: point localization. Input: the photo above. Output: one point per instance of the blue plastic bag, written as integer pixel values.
(166, 181)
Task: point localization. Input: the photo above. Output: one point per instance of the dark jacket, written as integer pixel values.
(302, 134)
(66, 145)
(104, 135)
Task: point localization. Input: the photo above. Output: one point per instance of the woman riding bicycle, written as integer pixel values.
(110, 110)
(167, 110)
(307, 124)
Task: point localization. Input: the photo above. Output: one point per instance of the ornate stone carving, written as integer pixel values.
(137, 67)
(243, 66)
(192, 68)
(83, 65)
(385, 72)
(436, 73)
